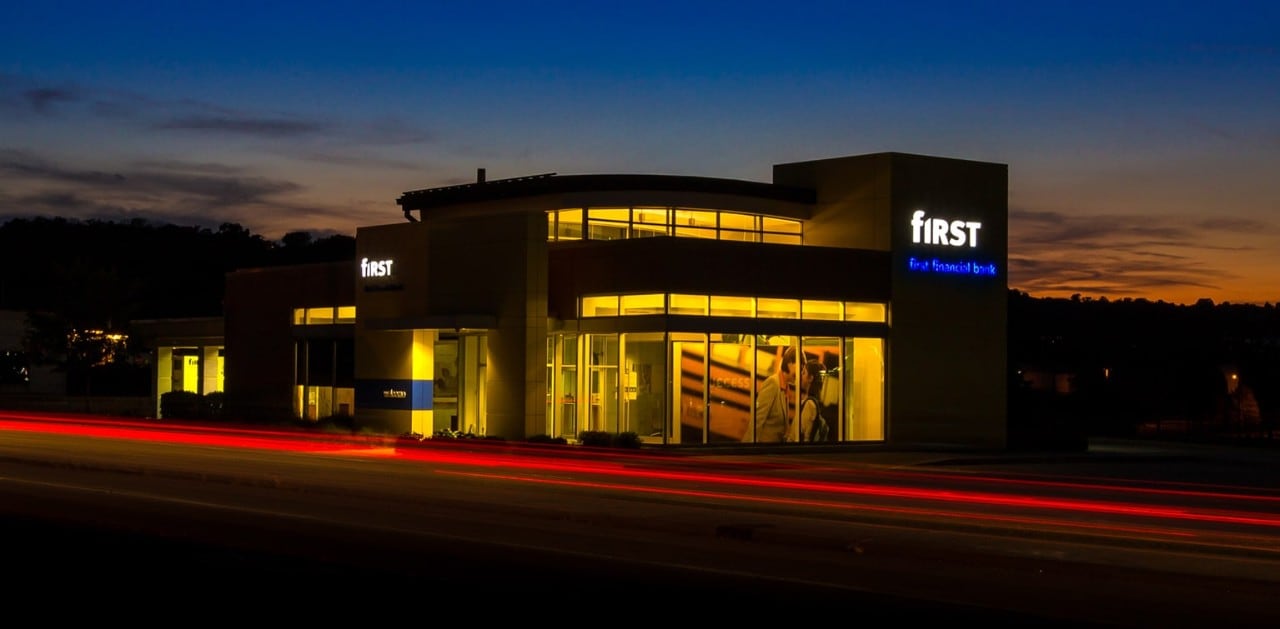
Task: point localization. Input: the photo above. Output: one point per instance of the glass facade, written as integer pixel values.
(618, 223)
(691, 388)
(727, 306)
(324, 368)
(681, 388)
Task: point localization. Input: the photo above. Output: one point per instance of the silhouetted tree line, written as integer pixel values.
(86, 275)
(105, 274)
(1129, 364)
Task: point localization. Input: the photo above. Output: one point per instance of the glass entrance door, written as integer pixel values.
(445, 385)
(459, 386)
(644, 380)
(688, 353)
(602, 380)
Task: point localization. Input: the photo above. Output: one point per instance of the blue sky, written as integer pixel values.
(1142, 138)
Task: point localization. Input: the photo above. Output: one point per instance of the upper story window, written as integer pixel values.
(732, 306)
(327, 315)
(617, 223)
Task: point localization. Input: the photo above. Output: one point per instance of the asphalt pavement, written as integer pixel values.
(1252, 464)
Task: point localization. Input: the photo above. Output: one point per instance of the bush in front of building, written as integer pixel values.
(545, 438)
(179, 405)
(605, 439)
(445, 433)
(595, 438)
(190, 405)
(626, 440)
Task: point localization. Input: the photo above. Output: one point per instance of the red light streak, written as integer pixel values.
(692, 493)
(626, 465)
(1151, 487)
(862, 489)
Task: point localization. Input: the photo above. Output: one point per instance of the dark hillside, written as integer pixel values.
(105, 274)
(1131, 365)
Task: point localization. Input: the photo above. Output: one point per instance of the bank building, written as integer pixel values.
(550, 305)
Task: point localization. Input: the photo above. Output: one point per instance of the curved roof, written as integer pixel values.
(551, 183)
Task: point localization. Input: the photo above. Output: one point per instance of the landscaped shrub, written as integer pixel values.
(626, 440)
(211, 405)
(180, 405)
(445, 433)
(596, 438)
(191, 405)
(544, 438)
(335, 424)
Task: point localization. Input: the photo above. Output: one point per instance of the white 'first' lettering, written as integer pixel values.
(940, 231)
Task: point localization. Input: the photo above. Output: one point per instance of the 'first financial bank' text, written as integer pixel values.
(966, 267)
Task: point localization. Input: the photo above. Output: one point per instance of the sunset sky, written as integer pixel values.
(1142, 138)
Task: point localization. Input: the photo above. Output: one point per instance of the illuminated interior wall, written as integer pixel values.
(864, 412)
(211, 359)
(472, 375)
(164, 375)
(187, 371)
(423, 369)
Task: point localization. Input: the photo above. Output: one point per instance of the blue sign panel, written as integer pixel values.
(423, 395)
(398, 395)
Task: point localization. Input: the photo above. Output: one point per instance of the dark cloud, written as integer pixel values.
(190, 181)
(21, 97)
(25, 165)
(209, 168)
(212, 191)
(353, 159)
(43, 99)
(197, 193)
(1053, 253)
(73, 206)
(391, 131)
(330, 141)
(1236, 225)
(261, 127)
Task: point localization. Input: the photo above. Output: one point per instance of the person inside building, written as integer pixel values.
(774, 401)
(812, 426)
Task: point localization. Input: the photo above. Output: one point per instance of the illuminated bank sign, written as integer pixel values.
(375, 268)
(378, 275)
(946, 236)
(940, 231)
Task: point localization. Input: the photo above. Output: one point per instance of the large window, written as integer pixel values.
(615, 223)
(728, 306)
(326, 315)
(690, 388)
(324, 368)
(324, 378)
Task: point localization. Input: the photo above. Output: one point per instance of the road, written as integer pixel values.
(135, 507)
